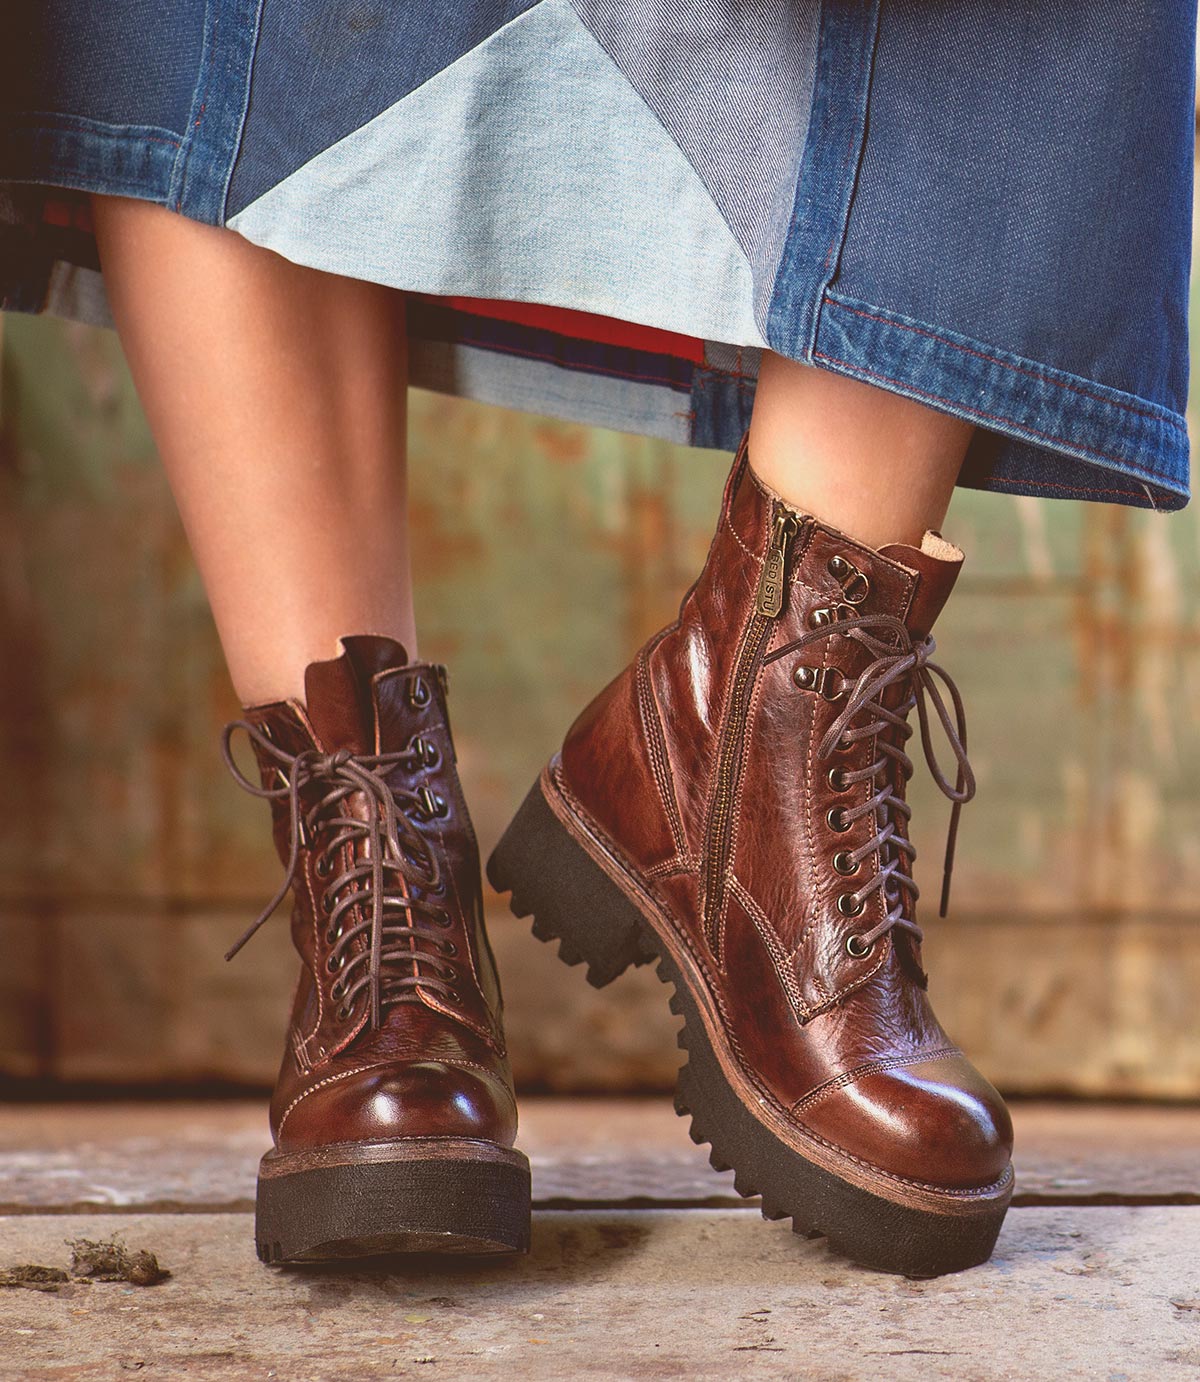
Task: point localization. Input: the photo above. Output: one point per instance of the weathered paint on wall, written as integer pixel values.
(545, 554)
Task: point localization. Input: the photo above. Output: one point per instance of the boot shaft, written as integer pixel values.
(373, 709)
(736, 805)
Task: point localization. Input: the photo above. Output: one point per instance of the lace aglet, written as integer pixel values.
(944, 907)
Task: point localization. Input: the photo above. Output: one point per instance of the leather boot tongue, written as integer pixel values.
(338, 692)
(937, 564)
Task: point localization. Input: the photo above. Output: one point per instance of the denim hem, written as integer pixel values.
(1082, 433)
(51, 150)
(201, 177)
(828, 172)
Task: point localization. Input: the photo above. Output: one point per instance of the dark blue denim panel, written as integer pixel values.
(721, 407)
(1063, 436)
(137, 66)
(1024, 185)
(325, 67)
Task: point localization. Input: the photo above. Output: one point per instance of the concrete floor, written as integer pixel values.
(643, 1263)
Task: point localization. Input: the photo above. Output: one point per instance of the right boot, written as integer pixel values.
(393, 1116)
(733, 807)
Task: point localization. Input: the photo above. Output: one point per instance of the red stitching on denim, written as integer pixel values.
(200, 113)
(992, 359)
(1070, 489)
(975, 412)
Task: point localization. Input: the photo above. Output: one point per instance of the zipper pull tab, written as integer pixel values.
(770, 584)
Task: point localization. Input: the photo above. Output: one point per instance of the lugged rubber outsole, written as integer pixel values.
(553, 877)
(416, 1195)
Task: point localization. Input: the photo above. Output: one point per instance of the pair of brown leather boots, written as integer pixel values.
(732, 807)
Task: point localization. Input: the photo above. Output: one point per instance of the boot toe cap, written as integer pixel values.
(420, 1099)
(938, 1122)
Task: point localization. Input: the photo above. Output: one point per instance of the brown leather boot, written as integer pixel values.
(393, 1116)
(732, 806)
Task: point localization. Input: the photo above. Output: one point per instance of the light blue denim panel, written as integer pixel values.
(322, 68)
(733, 83)
(512, 381)
(528, 170)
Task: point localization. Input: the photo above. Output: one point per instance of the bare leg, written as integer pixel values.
(276, 395)
(879, 467)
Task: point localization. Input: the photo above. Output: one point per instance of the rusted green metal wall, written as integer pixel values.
(545, 554)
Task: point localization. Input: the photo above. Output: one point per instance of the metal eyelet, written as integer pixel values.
(855, 585)
(449, 949)
(844, 743)
(343, 1012)
(849, 905)
(831, 614)
(426, 752)
(844, 864)
(337, 989)
(826, 681)
(433, 804)
(836, 820)
(335, 964)
(442, 918)
(323, 867)
(837, 780)
(418, 692)
(856, 946)
(327, 903)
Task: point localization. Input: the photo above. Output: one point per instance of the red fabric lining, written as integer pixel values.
(582, 326)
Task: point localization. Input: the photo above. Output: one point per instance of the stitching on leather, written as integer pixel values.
(859, 1072)
(766, 931)
(728, 517)
(735, 805)
(377, 1065)
(321, 1084)
(659, 761)
(811, 847)
(314, 912)
(747, 1070)
(630, 869)
(669, 867)
(430, 998)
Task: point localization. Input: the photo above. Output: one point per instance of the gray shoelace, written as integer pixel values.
(397, 924)
(896, 659)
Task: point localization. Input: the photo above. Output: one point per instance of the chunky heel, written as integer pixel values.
(420, 1195)
(574, 899)
(570, 898)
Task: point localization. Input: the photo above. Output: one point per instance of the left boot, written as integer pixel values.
(733, 806)
(393, 1116)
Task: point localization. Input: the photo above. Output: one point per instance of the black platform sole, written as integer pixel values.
(419, 1195)
(579, 895)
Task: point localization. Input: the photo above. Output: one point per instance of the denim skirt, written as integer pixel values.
(606, 210)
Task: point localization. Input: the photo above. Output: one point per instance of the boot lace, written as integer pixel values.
(388, 894)
(896, 660)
